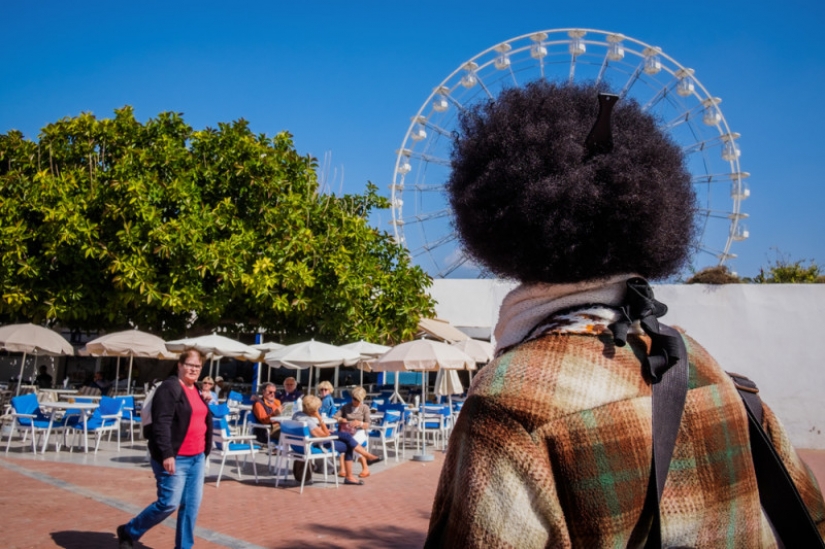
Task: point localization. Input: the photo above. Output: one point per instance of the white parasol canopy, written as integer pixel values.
(311, 354)
(32, 339)
(131, 343)
(480, 351)
(368, 351)
(267, 346)
(423, 355)
(216, 347)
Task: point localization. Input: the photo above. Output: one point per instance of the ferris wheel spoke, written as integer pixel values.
(431, 159)
(429, 188)
(420, 218)
(702, 145)
(463, 259)
(430, 246)
(484, 87)
(439, 130)
(684, 117)
(661, 94)
(603, 68)
(632, 80)
(720, 177)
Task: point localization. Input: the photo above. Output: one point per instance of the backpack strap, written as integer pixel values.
(666, 366)
(787, 513)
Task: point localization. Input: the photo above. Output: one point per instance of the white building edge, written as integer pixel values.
(768, 332)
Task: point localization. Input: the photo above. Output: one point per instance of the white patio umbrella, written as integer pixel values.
(480, 351)
(131, 343)
(216, 347)
(265, 347)
(368, 352)
(422, 355)
(447, 383)
(311, 354)
(34, 340)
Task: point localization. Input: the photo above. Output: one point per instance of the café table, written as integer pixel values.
(85, 408)
(82, 398)
(52, 395)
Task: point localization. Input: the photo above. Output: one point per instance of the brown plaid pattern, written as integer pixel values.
(553, 449)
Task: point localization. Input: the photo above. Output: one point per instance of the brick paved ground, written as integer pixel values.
(74, 501)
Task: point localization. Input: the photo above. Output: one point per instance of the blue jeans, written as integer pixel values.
(184, 489)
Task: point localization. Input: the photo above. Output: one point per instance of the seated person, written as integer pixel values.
(345, 445)
(43, 379)
(100, 383)
(291, 392)
(354, 419)
(263, 409)
(208, 391)
(223, 387)
(328, 407)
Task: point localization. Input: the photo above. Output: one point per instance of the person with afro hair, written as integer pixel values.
(581, 197)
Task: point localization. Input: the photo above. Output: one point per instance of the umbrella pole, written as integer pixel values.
(423, 456)
(117, 376)
(129, 377)
(20, 377)
(396, 395)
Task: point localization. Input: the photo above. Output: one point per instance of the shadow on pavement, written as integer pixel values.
(380, 536)
(73, 539)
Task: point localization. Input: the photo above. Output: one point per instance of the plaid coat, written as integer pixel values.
(553, 449)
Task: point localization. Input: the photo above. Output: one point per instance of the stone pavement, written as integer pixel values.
(75, 501)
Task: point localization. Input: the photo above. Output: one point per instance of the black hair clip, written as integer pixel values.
(600, 139)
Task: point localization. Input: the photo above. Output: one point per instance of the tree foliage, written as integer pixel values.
(785, 271)
(113, 222)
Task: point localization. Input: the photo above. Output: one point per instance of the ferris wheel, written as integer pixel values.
(421, 214)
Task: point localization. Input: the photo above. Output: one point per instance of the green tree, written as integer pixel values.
(785, 271)
(110, 223)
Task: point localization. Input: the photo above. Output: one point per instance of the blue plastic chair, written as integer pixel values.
(27, 416)
(388, 432)
(435, 420)
(233, 445)
(298, 444)
(130, 416)
(105, 419)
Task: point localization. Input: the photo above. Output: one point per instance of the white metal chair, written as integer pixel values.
(27, 417)
(388, 432)
(435, 421)
(105, 419)
(130, 417)
(233, 445)
(296, 443)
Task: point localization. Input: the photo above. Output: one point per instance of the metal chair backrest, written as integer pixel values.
(220, 431)
(26, 404)
(295, 433)
(234, 398)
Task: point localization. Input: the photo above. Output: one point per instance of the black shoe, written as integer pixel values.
(123, 539)
(376, 460)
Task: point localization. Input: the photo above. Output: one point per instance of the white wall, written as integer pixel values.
(769, 333)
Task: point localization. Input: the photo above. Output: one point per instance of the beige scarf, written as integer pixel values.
(529, 304)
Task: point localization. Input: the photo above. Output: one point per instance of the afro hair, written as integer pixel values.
(529, 205)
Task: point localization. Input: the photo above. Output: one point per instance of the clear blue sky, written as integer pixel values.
(346, 77)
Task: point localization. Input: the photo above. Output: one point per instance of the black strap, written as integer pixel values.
(666, 366)
(780, 499)
(669, 396)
